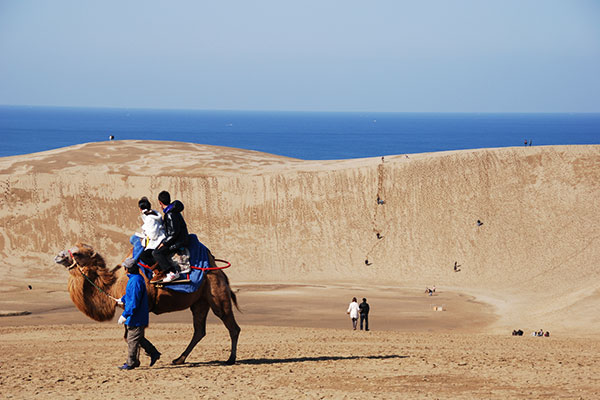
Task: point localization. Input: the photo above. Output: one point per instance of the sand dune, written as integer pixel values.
(298, 233)
(534, 260)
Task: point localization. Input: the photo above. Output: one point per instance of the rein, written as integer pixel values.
(75, 264)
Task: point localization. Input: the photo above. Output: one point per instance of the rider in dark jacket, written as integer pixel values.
(176, 235)
(175, 227)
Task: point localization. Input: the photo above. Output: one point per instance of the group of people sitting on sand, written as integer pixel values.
(539, 333)
(430, 291)
(161, 238)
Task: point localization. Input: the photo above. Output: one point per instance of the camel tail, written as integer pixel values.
(233, 296)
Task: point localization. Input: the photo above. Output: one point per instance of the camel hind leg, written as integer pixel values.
(199, 312)
(224, 311)
(220, 301)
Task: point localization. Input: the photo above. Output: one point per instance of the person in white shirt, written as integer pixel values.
(353, 312)
(153, 230)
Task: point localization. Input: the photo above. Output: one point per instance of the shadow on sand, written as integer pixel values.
(259, 361)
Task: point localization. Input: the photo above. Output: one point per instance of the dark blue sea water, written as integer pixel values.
(304, 135)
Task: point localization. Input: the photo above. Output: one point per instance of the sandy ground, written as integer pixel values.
(79, 361)
(296, 342)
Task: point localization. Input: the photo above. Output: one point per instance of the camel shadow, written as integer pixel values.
(268, 361)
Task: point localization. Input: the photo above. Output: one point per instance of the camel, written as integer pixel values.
(97, 299)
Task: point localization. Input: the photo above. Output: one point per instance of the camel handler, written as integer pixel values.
(135, 317)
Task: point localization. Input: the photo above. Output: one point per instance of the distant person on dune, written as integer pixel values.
(479, 223)
(367, 262)
(456, 266)
(379, 200)
(364, 314)
(353, 310)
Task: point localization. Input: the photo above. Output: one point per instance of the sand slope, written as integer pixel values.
(535, 259)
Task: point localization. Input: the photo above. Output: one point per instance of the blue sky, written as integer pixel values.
(401, 56)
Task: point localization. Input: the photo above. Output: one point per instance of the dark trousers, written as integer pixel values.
(162, 256)
(365, 318)
(135, 339)
(147, 258)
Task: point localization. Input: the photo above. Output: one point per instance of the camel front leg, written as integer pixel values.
(199, 311)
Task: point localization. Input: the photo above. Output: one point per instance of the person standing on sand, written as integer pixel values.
(364, 314)
(353, 312)
(135, 317)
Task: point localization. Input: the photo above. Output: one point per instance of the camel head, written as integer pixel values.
(81, 254)
(90, 283)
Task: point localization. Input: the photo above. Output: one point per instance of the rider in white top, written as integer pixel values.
(153, 230)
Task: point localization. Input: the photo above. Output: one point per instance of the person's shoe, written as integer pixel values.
(171, 276)
(158, 276)
(126, 367)
(154, 358)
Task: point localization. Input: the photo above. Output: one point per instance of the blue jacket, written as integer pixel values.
(135, 301)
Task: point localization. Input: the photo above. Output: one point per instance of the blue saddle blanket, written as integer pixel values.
(198, 259)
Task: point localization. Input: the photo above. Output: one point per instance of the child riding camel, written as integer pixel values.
(153, 233)
(176, 237)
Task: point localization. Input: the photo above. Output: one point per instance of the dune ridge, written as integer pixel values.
(278, 219)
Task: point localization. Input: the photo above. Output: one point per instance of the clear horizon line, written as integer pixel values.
(288, 111)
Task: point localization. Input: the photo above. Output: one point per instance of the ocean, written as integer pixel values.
(303, 135)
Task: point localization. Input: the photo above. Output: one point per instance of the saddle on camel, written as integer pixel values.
(95, 290)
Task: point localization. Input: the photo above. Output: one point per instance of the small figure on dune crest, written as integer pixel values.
(382, 159)
(479, 223)
(379, 200)
(379, 236)
(353, 310)
(456, 266)
(367, 262)
(111, 137)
